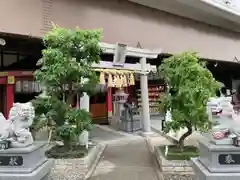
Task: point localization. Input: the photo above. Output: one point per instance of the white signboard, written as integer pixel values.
(27, 86)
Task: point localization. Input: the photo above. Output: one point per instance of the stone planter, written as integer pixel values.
(174, 169)
(80, 168)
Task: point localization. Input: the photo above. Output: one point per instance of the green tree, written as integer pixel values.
(190, 85)
(66, 70)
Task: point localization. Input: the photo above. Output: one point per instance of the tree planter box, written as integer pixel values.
(174, 169)
(79, 168)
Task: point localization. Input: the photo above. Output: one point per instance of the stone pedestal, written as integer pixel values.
(217, 162)
(129, 125)
(29, 163)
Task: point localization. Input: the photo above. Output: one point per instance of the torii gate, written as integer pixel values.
(142, 68)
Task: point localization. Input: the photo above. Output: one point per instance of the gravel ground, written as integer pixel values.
(76, 176)
(178, 177)
(65, 176)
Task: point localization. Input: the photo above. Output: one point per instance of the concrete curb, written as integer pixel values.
(79, 167)
(95, 163)
(171, 139)
(172, 166)
(157, 162)
(156, 165)
(148, 134)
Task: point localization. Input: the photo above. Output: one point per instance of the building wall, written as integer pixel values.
(124, 22)
(21, 17)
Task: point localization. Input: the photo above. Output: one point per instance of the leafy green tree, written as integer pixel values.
(66, 70)
(191, 85)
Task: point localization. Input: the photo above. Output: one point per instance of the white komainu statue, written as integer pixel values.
(16, 128)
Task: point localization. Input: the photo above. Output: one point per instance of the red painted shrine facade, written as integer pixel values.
(7, 87)
(13, 83)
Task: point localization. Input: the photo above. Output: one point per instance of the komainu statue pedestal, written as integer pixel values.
(27, 163)
(217, 162)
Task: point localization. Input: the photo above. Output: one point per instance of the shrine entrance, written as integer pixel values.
(117, 73)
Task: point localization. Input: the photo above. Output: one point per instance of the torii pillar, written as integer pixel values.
(143, 68)
(146, 122)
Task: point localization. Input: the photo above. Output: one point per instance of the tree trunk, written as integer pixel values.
(67, 144)
(184, 136)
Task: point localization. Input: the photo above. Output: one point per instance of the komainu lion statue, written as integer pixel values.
(16, 128)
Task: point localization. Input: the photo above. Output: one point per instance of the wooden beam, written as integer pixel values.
(133, 52)
(127, 66)
(16, 73)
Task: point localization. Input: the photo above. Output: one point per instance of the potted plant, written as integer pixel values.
(191, 85)
(43, 123)
(65, 66)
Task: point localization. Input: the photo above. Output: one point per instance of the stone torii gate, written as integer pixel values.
(142, 68)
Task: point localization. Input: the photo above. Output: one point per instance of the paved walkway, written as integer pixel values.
(127, 159)
(127, 156)
(106, 134)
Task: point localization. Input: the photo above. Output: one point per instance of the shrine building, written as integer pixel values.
(149, 30)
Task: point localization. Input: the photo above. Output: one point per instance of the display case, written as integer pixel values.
(155, 93)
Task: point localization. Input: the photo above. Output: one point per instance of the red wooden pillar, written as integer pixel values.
(94, 99)
(109, 102)
(9, 94)
(9, 98)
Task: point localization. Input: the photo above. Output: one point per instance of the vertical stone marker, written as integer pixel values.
(218, 160)
(20, 157)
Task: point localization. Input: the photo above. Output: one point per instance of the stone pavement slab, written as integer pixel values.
(100, 135)
(130, 160)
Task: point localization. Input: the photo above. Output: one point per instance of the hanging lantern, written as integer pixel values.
(114, 80)
(131, 81)
(102, 78)
(118, 82)
(125, 82)
(110, 80)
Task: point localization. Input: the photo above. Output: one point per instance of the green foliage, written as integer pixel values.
(41, 108)
(67, 60)
(191, 85)
(38, 124)
(65, 65)
(174, 153)
(52, 108)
